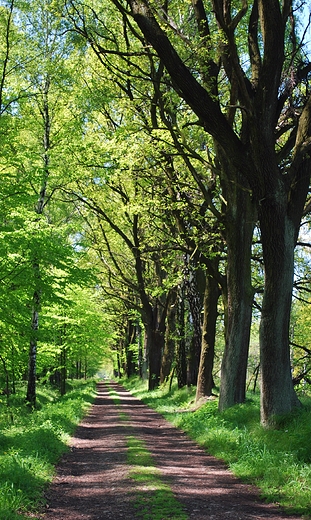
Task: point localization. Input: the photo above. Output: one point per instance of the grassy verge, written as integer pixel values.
(31, 443)
(278, 461)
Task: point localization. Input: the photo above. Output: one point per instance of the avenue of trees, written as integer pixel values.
(155, 194)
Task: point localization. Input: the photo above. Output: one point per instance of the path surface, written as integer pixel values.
(92, 479)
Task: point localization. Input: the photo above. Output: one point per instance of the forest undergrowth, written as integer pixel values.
(32, 441)
(277, 461)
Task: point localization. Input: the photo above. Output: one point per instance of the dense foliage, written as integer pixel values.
(154, 220)
(138, 232)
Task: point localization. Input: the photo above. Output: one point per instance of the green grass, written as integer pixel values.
(277, 461)
(154, 500)
(31, 443)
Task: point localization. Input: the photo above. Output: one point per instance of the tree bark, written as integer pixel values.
(278, 240)
(239, 227)
(195, 306)
(205, 378)
(170, 332)
(130, 340)
(181, 362)
(155, 344)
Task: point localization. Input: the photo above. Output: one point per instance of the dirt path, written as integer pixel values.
(92, 479)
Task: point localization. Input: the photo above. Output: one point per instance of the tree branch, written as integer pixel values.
(185, 84)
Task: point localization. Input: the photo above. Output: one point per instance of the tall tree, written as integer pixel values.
(239, 210)
(262, 144)
(176, 151)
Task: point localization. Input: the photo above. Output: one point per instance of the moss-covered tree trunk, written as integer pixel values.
(210, 304)
(239, 226)
(278, 240)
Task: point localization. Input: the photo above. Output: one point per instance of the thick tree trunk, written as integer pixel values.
(205, 378)
(194, 353)
(170, 332)
(195, 286)
(193, 359)
(240, 221)
(155, 342)
(154, 319)
(130, 341)
(278, 240)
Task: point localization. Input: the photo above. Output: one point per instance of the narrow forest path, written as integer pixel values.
(92, 481)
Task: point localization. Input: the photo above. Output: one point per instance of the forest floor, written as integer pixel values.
(92, 480)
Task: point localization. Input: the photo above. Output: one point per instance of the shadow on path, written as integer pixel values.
(92, 479)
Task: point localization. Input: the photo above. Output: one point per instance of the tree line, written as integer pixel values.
(161, 156)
